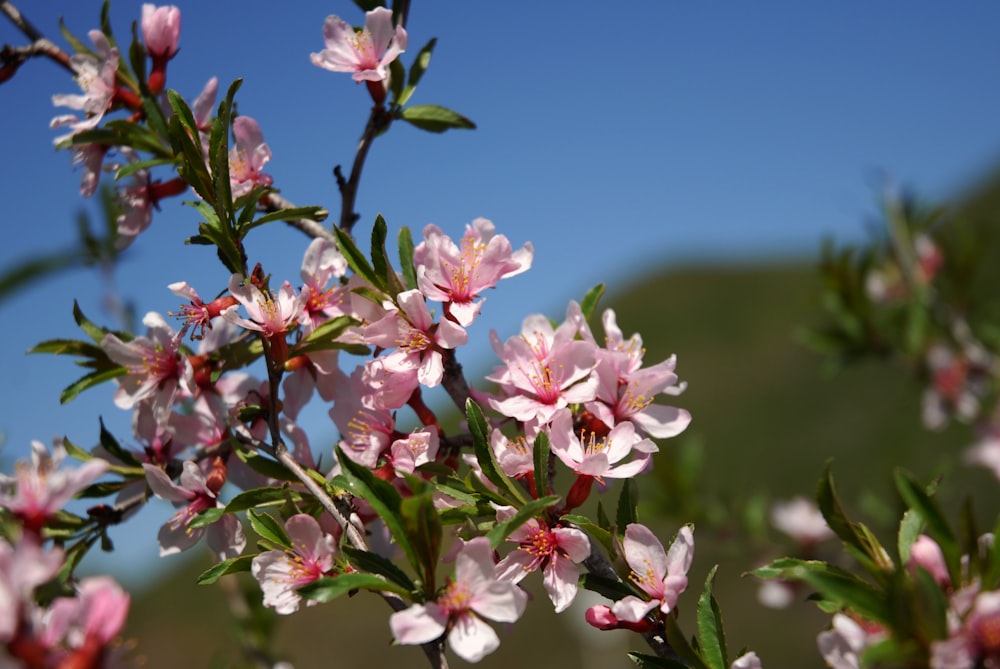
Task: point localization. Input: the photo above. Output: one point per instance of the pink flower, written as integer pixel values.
(473, 595)
(598, 457)
(457, 275)
(248, 157)
(197, 491)
(96, 75)
(157, 370)
(747, 661)
(161, 30)
(365, 431)
(84, 625)
(281, 573)
(42, 488)
(367, 53)
(661, 575)
(926, 553)
(514, 455)
(842, 645)
(417, 448)
(321, 264)
(974, 641)
(23, 567)
(555, 550)
(272, 314)
(800, 519)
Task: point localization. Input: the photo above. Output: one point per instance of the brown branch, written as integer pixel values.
(274, 202)
(13, 57)
(378, 122)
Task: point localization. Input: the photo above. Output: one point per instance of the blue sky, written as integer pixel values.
(616, 141)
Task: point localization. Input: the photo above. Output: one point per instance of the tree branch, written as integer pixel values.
(13, 57)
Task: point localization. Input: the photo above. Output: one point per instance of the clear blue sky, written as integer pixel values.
(615, 140)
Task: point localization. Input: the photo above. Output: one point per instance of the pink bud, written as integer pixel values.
(926, 553)
(161, 30)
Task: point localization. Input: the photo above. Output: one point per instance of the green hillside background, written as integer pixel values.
(766, 419)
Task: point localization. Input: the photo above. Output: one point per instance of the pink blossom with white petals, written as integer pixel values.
(417, 448)
(42, 487)
(248, 157)
(457, 274)
(800, 519)
(161, 30)
(270, 313)
(281, 572)
(557, 551)
(97, 75)
(23, 567)
(322, 264)
(475, 594)
(662, 575)
(598, 457)
(79, 629)
(196, 491)
(157, 371)
(368, 53)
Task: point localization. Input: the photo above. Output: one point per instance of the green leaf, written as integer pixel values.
(94, 332)
(111, 445)
(388, 281)
(206, 517)
(355, 259)
(856, 537)
(423, 529)
(257, 497)
(484, 454)
(376, 564)
(183, 131)
(230, 566)
(606, 587)
(590, 300)
(417, 70)
(435, 118)
(937, 526)
(541, 457)
(521, 516)
(322, 338)
(710, 632)
(834, 584)
(313, 213)
(384, 500)
(406, 248)
(628, 500)
(218, 155)
(327, 589)
(679, 642)
(266, 466)
(95, 378)
(910, 527)
(602, 518)
(267, 527)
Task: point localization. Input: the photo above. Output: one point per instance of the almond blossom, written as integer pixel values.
(662, 575)
(197, 490)
(366, 53)
(457, 274)
(42, 487)
(272, 314)
(248, 157)
(282, 572)
(321, 264)
(599, 456)
(78, 630)
(23, 567)
(557, 551)
(802, 520)
(156, 369)
(97, 75)
(973, 641)
(475, 594)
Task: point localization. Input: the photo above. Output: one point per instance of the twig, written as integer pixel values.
(378, 121)
(13, 57)
(274, 202)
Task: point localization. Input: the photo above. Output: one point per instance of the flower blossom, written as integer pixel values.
(800, 519)
(598, 456)
(23, 567)
(96, 75)
(474, 594)
(662, 575)
(281, 572)
(156, 369)
(842, 645)
(273, 314)
(368, 53)
(248, 157)
(161, 30)
(78, 630)
(197, 490)
(557, 551)
(41, 487)
(457, 274)
(973, 641)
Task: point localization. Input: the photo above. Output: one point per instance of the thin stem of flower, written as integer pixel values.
(454, 381)
(378, 121)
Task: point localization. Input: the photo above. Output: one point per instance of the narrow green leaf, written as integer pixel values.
(355, 259)
(628, 501)
(95, 378)
(397, 74)
(602, 518)
(267, 527)
(484, 454)
(599, 534)
(206, 517)
(435, 118)
(423, 529)
(376, 564)
(111, 445)
(218, 152)
(530, 510)
(328, 589)
(590, 300)
(679, 642)
(541, 457)
(266, 466)
(94, 332)
(384, 500)
(654, 662)
(910, 527)
(406, 248)
(937, 525)
(710, 632)
(257, 497)
(313, 213)
(417, 70)
(380, 263)
(833, 583)
(230, 566)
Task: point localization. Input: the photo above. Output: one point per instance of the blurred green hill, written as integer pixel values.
(765, 422)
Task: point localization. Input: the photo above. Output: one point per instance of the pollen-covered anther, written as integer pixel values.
(456, 597)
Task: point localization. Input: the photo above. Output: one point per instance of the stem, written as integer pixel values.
(13, 57)
(274, 202)
(378, 121)
(454, 380)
